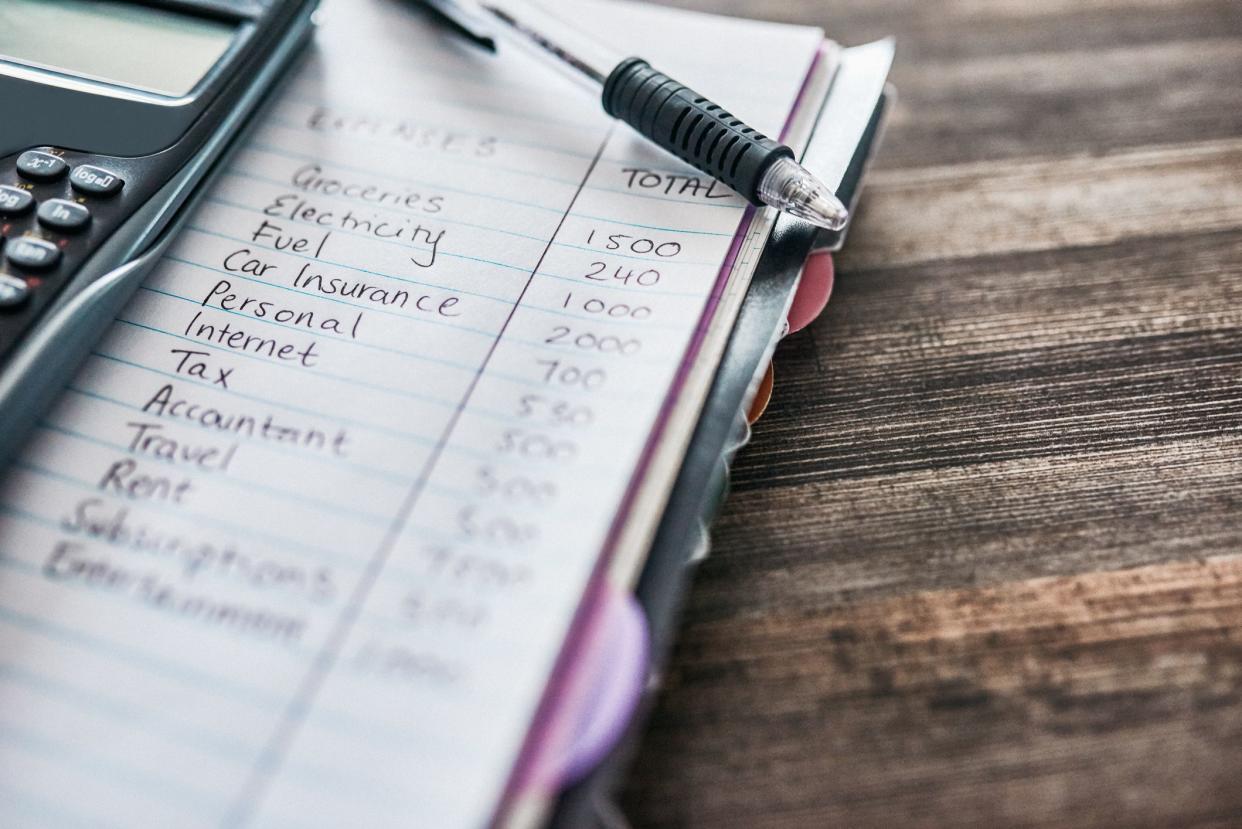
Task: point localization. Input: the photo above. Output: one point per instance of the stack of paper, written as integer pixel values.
(303, 542)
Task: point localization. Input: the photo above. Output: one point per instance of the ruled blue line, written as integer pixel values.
(256, 441)
(208, 384)
(330, 719)
(431, 218)
(581, 281)
(604, 394)
(335, 419)
(634, 292)
(734, 202)
(415, 573)
(261, 147)
(398, 144)
(250, 440)
(85, 758)
(55, 526)
(145, 718)
(313, 102)
(585, 317)
(166, 668)
(135, 658)
(461, 72)
(406, 280)
(377, 621)
(280, 363)
(524, 269)
(458, 104)
(50, 812)
(269, 149)
(636, 257)
(294, 190)
(383, 388)
(334, 720)
(612, 220)
(561, 351)
(238, 530)
(342, 339)
(297, 651)
(624, 326)
(378, 309)
(244, 173)
(230, 479)
(387, 389)
(478, 454)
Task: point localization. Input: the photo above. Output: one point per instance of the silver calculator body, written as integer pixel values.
(115, 116)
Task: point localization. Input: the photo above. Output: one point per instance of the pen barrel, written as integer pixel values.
(691, 127)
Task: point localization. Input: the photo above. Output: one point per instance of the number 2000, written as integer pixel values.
(605, 344)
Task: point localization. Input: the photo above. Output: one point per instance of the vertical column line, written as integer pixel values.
(277, 746)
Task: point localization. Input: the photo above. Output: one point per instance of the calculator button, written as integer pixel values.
(13, 291)
(14, 200)
(40, 166)
(63, 215)
(95, 181)
(33, 254)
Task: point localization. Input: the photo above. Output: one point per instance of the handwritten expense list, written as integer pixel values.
(302, 542)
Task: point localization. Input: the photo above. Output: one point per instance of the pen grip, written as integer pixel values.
(690, 126)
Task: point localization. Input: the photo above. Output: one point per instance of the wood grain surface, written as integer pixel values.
(982, 563)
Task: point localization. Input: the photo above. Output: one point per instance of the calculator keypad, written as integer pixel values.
(64, 215)
(57, 207)
(95, 181)
(32, 254)
(40, 166)
(13, 291)
(14, 201)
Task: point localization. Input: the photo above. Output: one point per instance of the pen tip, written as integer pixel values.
(790, 187)
(825, 210)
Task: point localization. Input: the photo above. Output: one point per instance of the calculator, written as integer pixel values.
(114, 117)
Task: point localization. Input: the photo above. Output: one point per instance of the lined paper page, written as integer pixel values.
(302, 542)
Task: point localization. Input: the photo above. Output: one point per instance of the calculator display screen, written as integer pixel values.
(125, 43)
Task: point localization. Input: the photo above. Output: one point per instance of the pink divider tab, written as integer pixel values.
(813, 292)
(594, 701)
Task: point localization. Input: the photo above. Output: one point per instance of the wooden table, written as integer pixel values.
(982, 564)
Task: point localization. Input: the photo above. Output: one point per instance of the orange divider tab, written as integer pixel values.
(760, 404)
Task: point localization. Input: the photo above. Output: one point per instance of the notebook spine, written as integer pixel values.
(683, 538)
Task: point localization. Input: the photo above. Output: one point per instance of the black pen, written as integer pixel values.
(665, 111)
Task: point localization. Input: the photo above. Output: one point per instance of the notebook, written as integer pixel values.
(304, 541)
